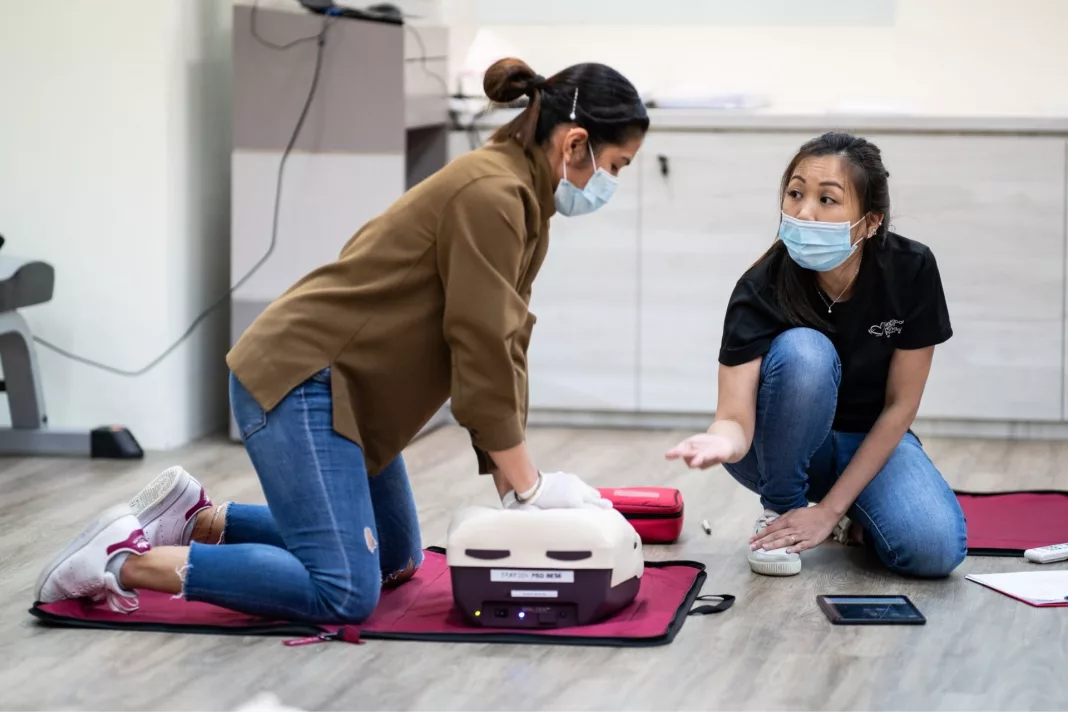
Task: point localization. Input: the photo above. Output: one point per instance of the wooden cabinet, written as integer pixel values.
(630, 301)
(709, 209)
(998, 371)
(584, 350)
(992, 209)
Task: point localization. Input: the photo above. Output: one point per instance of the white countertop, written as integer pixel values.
(768, 120)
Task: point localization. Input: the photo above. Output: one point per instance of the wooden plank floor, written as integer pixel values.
(773, 650)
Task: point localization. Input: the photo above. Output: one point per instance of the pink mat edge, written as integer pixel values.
(696, 577)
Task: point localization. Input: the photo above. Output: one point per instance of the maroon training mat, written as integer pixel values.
(420, 609)
(1008, 523)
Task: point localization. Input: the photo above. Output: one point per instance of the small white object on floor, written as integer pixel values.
(1047, 554)
(1037, 588)
(266, 702)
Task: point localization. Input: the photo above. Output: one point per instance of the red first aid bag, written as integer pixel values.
(654, 512)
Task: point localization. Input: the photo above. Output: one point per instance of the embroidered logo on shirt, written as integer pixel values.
(887, 328)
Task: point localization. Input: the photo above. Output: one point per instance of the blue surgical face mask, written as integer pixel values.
(819, 246)
(571, 200)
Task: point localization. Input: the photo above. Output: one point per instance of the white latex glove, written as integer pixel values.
(560, 490)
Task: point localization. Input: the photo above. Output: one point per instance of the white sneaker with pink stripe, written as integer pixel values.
(168, 505)
(89, 566)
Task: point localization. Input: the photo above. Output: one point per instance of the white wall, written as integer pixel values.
(961, 57)
(114, 149)
(114, 163)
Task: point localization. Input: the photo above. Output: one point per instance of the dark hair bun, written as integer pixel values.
(508, 79)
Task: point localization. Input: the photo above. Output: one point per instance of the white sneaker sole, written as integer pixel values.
(775, 568)
(161, 493)
(105, 520)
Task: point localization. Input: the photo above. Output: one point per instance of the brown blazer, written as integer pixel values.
(428, 301)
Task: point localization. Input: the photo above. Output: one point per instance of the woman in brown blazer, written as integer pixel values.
(429, 301)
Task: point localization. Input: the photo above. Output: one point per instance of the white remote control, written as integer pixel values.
(1047, 554)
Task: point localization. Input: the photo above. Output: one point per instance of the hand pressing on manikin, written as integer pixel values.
(797, 530)
(702, 451)
(558, 490)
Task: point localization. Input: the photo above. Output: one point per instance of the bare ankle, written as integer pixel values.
(161, 569)
(209, 526)
(202, 525)
(128, 574)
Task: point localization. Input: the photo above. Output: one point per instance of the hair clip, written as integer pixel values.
(574, 104)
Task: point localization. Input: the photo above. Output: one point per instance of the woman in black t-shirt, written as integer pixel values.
(827, 345)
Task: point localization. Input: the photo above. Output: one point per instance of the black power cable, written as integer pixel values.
(320, 38)
(423, 58)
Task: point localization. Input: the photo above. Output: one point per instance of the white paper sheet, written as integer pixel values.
(1035, 587)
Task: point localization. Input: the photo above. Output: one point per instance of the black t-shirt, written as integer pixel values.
(897, 303)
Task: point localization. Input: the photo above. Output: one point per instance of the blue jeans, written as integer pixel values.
(330, 536)
(909, 514)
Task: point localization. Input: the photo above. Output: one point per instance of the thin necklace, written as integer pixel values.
(819, 291)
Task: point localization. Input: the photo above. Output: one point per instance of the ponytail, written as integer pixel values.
(506, 81)
(592, 96)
